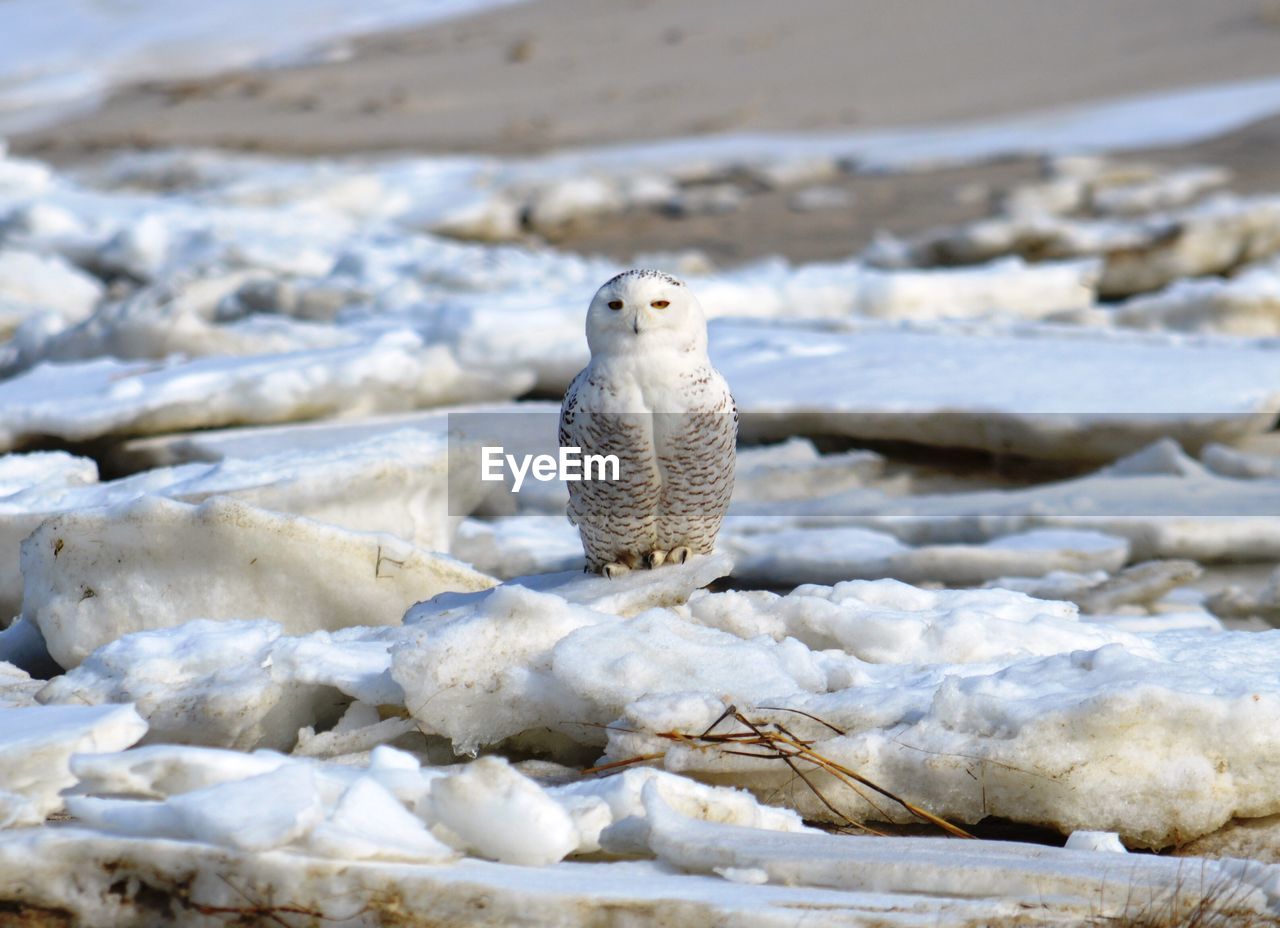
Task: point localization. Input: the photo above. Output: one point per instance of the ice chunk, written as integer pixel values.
(36, 744)
(623, 829)
(519, 545)
(397, 482)
(1248, 304)
(1232, 462)
(326, 436)
(1166, 505)
(78, 867)
(481, 671)
(1079, 740)
(1018, 873)
(1141, 254)
(1099, 593)
(257, 813)
(94, 575)
(794, 469)
(200, 683)
(157, 771)
(829, 555)
(1041, 393)
(17, 689)
(369, 822)
(889, 622)
(1107, 841)
(234, 683)
(85, 400)
(498, 813)
(46, 283)
(178, 316)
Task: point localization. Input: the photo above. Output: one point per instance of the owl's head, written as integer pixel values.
(643, 309)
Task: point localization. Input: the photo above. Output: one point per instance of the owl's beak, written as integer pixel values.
(635, 324)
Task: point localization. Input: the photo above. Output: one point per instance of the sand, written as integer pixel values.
(554, 73)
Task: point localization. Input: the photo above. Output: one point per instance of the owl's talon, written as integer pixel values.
(614, 570)
(679, 555)
(655, 559)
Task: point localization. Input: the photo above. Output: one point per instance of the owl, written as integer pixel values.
(651, 399)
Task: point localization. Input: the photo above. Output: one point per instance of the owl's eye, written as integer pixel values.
(615, 304)
(660, 304)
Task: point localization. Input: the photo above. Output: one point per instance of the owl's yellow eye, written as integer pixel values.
(615, 304)
(660, 304)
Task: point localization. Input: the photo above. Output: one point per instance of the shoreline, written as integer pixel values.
(547, 75)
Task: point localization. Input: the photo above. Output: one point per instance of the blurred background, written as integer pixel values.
(83, 77)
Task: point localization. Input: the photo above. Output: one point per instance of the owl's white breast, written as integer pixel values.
(645, 382)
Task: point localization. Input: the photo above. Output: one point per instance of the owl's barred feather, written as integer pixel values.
(651, 397)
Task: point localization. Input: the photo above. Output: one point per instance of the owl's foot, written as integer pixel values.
(655, 559)
(679, 555)
(614, 570)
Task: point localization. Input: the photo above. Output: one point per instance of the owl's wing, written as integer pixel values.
(568, 423)
(569, 410)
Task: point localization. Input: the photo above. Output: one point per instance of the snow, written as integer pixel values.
(987, 681)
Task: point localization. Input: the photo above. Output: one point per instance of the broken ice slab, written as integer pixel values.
(1165, 503)
(36, 743)
(1141, 253)
(1041, 392)
(93, 575)
(791, 556)
(85, 400)
(396, 481)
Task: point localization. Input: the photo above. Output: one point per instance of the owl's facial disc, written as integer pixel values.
(650, 306)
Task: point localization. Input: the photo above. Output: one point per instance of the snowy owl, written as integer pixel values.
(651, 398)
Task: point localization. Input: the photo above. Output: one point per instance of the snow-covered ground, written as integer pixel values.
(275, 650)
